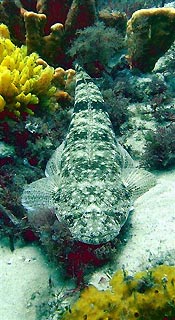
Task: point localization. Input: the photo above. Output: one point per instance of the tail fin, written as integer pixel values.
(87, 94)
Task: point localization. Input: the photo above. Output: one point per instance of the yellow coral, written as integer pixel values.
(148, 295)
(4, 31)
(22, 80)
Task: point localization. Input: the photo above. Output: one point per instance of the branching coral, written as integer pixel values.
(148, 295)
(22, 80)
(49, 25)
(51, 40)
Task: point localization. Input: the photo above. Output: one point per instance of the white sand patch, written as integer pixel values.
(151, 228)
(24, 276)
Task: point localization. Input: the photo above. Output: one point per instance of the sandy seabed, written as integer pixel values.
(25, 273)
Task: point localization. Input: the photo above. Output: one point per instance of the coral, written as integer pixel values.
(147, 295)
(52, 46)
(74, 14)
(82, 14)
(49, 25)
(15, 22)
(55, 10)
(150, 33)
(160, 147)
(64, 80)
(22, 81)
(49, 47)
(95, 46)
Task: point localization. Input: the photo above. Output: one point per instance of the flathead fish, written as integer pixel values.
(91, 180)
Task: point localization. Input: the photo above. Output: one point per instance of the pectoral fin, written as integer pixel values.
(137, 181)
(40, 193)
(53, 165)
(125, 159)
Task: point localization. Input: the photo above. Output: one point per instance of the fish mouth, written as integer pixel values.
(95, 240)
(96, 229)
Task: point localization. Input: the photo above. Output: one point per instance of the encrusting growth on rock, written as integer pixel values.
(147, 295)
(150, 33)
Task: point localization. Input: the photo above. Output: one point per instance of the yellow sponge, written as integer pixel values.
(22, 80)
(147, 295)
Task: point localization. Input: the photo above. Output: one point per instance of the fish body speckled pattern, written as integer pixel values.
(91, 180)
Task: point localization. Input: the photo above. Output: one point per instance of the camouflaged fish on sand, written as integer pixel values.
(91, 180)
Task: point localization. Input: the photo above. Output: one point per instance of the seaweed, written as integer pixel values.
(159, 150)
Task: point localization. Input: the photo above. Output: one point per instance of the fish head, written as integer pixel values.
(95, 227)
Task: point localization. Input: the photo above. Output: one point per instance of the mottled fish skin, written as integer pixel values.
(84, 181)
(92, 193)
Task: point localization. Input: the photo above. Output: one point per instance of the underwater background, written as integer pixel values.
(128, 50)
